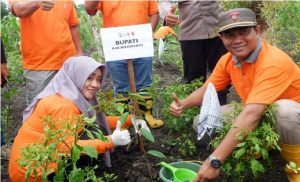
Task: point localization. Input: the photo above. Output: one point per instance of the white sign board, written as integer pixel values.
(127, 42)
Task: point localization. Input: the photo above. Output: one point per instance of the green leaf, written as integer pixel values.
(239, 153)
(256, 167)
(101, 137)
(44, 175)
(227, 167)
(120, 108)
(123, 118)
(156, 153)
(75, 154)
(147, 135)
(27, 174)
(257, 148)
(240, 168)
(264, 153)
(89, 134)
(90, 120)
(90, 151)
(241, 144)
(76, 175)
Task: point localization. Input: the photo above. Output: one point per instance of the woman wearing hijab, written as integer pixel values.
(70, 93)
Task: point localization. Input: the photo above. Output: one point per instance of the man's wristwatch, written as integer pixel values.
(214, 162)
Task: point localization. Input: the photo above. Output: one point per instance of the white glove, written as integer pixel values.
(139, 122)
(120, 137)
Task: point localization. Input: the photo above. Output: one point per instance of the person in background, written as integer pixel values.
(4, 70)
(198, 35)
(163, 32)
(262, 75)
(68, 95)
(3, 80)
(125, 13)
(49, 35)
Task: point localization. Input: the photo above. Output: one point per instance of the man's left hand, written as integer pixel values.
(206, 173)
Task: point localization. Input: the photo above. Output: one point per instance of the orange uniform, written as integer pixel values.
(164, 31)
(46, 40)
(273, 76)
(33, 130)
(116, 14)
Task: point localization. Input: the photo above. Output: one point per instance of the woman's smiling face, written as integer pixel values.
(92, 84)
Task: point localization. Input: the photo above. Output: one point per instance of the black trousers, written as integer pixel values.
(201, 56)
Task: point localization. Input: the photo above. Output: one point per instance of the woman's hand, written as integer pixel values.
(119, 137)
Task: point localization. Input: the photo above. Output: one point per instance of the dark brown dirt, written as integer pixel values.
(131, 164)
(18, 105)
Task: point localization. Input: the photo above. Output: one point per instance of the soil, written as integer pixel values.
(130, 164)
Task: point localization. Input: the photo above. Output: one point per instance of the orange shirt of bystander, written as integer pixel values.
(124, 13)
(46, 40)
(164, 31)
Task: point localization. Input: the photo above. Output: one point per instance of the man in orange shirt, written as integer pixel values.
(261, 74)
(49, 35)
(125, 13)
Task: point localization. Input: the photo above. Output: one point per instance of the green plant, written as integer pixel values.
(10, 91)
(186, 145)
(10, 33)
(245, 157)
(10, 36)
(183, 123)
(283, 26)
(58, 159)
(118, 106)
(110, 106)
(89, 28)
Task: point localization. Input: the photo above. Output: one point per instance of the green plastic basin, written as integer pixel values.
(166, 174)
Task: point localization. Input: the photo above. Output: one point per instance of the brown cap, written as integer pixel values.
(239, 17)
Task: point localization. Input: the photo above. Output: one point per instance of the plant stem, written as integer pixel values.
(141, 143)
(148, 165)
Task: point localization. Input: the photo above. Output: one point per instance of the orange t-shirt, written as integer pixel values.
(124, 13)
(273, 76)
(46, 40)
(33, 130)
(163, 31)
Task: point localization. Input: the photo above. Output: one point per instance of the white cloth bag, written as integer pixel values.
(210, 112)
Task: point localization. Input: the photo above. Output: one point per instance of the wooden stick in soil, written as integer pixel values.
(136, 108)
(135, 103)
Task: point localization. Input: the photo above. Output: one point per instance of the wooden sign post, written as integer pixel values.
(128, 42)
